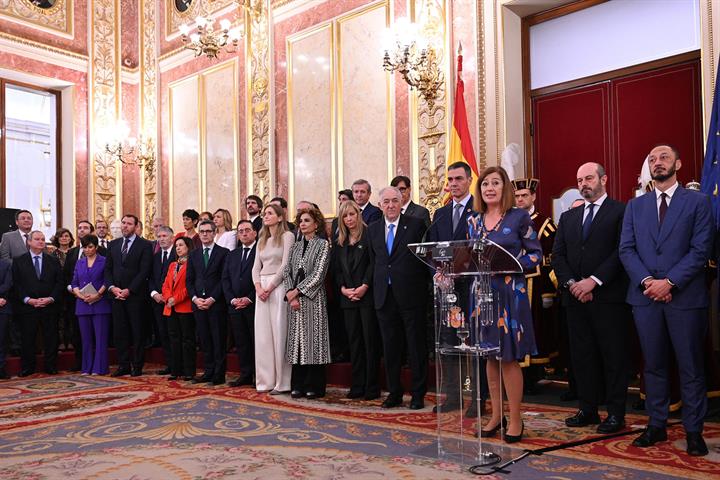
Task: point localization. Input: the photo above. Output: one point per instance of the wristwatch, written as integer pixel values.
(569, 283)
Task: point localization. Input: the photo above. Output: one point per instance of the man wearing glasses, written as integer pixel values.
(410, 208)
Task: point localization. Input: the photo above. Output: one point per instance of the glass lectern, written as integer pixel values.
(463, 303)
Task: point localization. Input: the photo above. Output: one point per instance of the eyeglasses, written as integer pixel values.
(205, 231)
(402, 189)
(245, 230)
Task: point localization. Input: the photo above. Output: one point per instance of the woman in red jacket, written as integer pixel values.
(181, 324)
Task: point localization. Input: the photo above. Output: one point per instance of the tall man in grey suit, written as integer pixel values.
(14, 244)
(666, 240)
(410, 208)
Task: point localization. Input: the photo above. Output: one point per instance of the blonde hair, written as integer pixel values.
(344, 234)
(276, 231)
(227, 219)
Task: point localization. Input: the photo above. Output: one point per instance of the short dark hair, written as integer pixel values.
(130, 215)
(347, 192)
(17, 214)
(243, 221)
(463, 165)
(400, 178)
(281, 201)
(191, 214)
(671, 147)
(187, 241)
(55, 240)
(507, 198)
(92, 227)
(315, 214)
(89, 239)
(257, 199)
(208, 222)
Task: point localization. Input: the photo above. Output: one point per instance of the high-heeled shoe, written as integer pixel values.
(515, 438)
(494, 430)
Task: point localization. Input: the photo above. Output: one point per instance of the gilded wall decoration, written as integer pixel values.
(148, 110)
(104, 88)
(174, 17)
(482, 119)
(54, 16)
(260, 159)
(432, 121)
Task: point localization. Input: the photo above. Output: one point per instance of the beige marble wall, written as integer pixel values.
(365, 111)
(219, 159)
(185, 147)
(310, 87)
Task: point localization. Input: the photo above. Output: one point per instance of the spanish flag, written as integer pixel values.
(461, 149)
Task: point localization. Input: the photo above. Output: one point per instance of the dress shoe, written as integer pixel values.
(203, 379)
(297, 394)
(218, 380)
(27, 373)
(240, 382)
(491, 432)
(514, 438)
(568, 396)
(51, 371)
(312, 395)
(611, 424)
(449, 406)
(4, 375)
(352, 394)
(371, 396)
(172, 378)
(188, 378)
(695, 444)
(417, 404)
(392, 401)
(278, 392)
(164, 371)
(136, 372)
(650, 437)
(582, 419)
(121, 372)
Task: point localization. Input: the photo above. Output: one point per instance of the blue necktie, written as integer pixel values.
(588, 222)
(390, 238)
(36, 260)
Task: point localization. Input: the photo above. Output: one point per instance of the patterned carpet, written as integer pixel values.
(80, 427)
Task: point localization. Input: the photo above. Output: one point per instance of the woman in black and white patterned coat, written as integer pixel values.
(308, 345)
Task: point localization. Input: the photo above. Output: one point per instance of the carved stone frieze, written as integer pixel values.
(148, 109)
(58, 17)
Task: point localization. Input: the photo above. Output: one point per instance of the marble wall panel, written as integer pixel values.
(185, 175)
(365, 112)
(129, 35)
(130, 173)
(310, 118)
(219, 89)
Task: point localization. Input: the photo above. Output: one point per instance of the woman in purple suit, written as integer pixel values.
(92, 309)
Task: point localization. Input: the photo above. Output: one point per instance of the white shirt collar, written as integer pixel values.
(249, 246)
(212, 245)
(597, 202)
(252, 218)
(463, 202)
(394, 222)
(362, 207)
(532, 210)
(167, 250)
(131, 238)
(669, 192)
(404, 207)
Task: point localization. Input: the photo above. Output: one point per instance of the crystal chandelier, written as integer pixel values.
(416, 59)
(209, 40)
(129, 150)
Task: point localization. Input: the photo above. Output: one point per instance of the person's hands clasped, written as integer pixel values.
(658, 290)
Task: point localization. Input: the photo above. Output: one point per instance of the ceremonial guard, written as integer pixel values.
(542, 286)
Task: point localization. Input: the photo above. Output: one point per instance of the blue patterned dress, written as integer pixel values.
(513, 330)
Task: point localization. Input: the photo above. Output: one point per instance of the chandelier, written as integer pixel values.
(129, 150)
(414, 56)
(209, 40)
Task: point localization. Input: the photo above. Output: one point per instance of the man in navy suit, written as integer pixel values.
(38, 284)
(400, 284)
(126, 272)
(450, 224)
(204, 286)
(666, 240)
(160, 263)
(239, 291)
(361, 191)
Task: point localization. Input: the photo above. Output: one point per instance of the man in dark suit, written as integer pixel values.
(126, 273)
(5, 311)
(38, 284)
(204, 286)
(160, 263)
(400, 284)
(253, 207)
(450, 224)
(101, 231)
(84, 228)
(667, 238)
(585, 260)
(239, 291)
(362, 190)
(410, 208)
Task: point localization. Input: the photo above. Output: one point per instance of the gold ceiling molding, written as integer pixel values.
(44, 53)
(431, 127)
(57, 19)
(149, 200)
(104, 86)
(174, 18)
(260, 158)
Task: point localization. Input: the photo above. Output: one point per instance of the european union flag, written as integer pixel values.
(711, 167)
